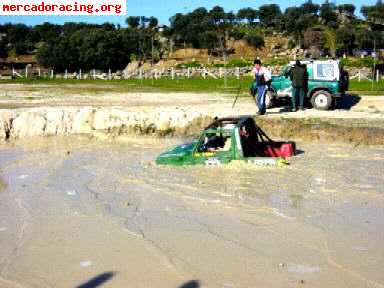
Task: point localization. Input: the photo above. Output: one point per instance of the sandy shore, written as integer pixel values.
(76, 208)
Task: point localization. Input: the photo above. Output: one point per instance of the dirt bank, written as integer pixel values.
(36, 110)
(76, 208)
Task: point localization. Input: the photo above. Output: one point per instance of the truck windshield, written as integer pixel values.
(286, 70)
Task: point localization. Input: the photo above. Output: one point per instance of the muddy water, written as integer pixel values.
(74, 209)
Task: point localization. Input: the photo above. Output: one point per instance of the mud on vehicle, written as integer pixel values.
(229, 139)
(327, 83)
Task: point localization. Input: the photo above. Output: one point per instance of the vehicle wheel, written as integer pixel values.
(269, 99)
(321, 100)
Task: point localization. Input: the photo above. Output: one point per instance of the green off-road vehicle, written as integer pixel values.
(229, 139)
(326, 84)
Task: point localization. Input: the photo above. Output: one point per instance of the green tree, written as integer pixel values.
(133, 21)
(346, 38)
(347, 9)
(374, 13)
(153, 22)
(328, 14)
(248, 14)
(270, 15)
(310, 8)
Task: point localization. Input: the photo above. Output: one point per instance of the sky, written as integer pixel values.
(164, 9)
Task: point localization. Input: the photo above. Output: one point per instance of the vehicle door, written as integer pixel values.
(285, 85)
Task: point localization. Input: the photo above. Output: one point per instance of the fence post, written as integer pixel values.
(141, 73)
(220, 72)
(204, 73)
(188, 72)
(39, 72)
(94, 74)
(13, 71)
(26, 72)
(80, 74)
(66, 74)
(52, 74)
(172, 73)
(377, 75)
(109, 74)
(237, 72)
(359, 75)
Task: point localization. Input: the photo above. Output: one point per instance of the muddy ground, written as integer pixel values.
(76, 208)
(78, 211)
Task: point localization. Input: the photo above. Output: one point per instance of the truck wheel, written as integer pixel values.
(321, 100)
(269, 99)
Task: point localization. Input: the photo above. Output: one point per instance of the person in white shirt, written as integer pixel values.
(259, 86)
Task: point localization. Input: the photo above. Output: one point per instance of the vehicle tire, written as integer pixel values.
(269, 99)
(321, 100)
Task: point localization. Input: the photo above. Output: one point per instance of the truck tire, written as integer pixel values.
(269, 99)
(321, 100)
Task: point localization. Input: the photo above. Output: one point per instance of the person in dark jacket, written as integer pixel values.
(299, 77)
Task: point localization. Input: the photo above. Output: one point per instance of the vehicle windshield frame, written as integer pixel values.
(225, 132)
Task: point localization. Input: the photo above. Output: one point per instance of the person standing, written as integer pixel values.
(259, 86)
(299, 77)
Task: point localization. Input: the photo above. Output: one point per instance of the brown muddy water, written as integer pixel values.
(78, 208)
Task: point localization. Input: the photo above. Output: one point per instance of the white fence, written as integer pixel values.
(172, 73)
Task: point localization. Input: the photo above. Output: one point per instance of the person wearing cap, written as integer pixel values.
(299, 77)
(259, 86)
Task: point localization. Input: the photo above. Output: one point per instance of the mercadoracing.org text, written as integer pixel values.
(63, 7)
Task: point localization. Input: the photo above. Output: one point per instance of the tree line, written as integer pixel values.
(327, 27)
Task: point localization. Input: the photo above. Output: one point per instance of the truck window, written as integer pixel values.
(325, 71)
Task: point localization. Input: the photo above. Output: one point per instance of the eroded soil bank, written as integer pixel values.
(75, 208)
(46, 110)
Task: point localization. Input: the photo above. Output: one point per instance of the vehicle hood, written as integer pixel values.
(177, 153)
(277, 77)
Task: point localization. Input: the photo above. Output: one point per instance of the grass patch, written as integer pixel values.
(195, 84)
(366, 86)
(232, 84)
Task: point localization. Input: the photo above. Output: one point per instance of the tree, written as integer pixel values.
(153, 22)
(296, 22)
(347, 9)
(3, 49)
(133, 21)
(48, 31)
(328, 14)
(269, 15)
(374, 13)
(330, 39)
(217, 14)
(310, 8)
(346, 38)
(247, 13)
(255, 40)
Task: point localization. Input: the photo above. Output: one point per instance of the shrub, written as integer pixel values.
(191, 64)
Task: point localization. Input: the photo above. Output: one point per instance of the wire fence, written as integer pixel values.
(156, 73)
